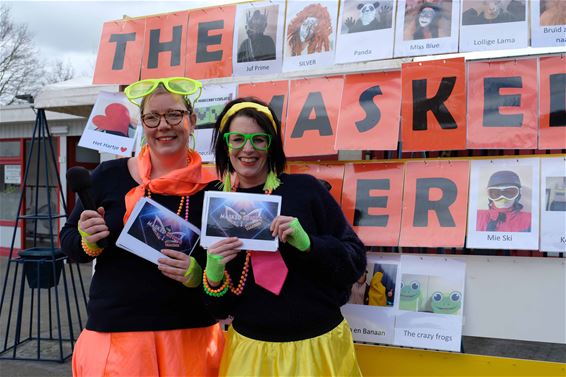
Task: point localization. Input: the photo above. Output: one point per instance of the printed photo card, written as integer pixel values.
(152, 227)
(246, 216)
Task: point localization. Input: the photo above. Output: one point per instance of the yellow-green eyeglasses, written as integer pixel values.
(179, 85)
(260, 141)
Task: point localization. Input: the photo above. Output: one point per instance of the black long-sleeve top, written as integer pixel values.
(318, 281)
(128, 293)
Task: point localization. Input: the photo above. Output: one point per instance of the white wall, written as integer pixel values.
(521, 298)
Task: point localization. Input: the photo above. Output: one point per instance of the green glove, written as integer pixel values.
(214, 268)
(193, 274)
(84, 235)
(299, 238)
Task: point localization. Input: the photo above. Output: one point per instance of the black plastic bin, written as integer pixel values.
(38, 266)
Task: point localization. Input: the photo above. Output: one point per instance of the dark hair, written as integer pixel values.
(161, 89)
(276, 159)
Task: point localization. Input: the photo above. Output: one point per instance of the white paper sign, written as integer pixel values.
(548, 23)
(361, 22)
(503, 210)
(12, 174)
(207, 109)
(431, 302)
(310, 33)
(494, 25)
(426, 28)
(258, 42)
(112, 125)
(370, 310)
(553, 204)
(246, 216)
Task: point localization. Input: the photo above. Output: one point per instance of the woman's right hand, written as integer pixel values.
(218, 254)
(228, 249)
(92, 222)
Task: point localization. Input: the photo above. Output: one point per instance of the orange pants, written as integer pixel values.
(187, 352)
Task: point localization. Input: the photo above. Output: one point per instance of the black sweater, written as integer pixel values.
(318, 281)
(128, 293)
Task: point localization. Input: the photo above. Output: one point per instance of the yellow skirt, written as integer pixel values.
(330, 354)
(187, 352)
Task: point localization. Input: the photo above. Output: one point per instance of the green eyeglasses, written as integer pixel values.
(259, 141)
(179, 85)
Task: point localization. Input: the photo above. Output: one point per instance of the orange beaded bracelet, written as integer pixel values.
(90, 252)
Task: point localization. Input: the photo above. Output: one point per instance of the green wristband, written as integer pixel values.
(84, 235)
(299, 238)
(193, 274)
(214, 268)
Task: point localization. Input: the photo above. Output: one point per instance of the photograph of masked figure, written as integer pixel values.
(552, 12)
(310, 31)
(363, 15)
(257, 35)
(427, 19)
(506, 211)
(482, 12)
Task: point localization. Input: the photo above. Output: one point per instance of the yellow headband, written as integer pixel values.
(247, 105)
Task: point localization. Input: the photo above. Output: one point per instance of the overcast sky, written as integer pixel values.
(70, 30)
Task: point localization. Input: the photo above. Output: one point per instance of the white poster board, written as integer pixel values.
(258, 38)
(431, 301)
(425, 28)
(548, 23)
(553, 204)
(310, 32)
(207, 109)
(494, 25)
(362, 21)
(503, 210)
(112, 125)
(370, 310)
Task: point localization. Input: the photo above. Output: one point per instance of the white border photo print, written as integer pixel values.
(246, 216)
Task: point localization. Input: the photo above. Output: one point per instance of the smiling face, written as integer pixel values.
(166, 141)
(443, 303)
(250, 164)
(426, 16)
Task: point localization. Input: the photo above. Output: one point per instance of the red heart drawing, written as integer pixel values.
(115, 120)
(123, 149)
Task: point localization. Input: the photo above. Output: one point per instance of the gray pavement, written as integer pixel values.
(51, 349)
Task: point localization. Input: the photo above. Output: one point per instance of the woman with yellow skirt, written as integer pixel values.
(285, 304)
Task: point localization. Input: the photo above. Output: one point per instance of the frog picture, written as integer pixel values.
(446, 303)
(411, 296)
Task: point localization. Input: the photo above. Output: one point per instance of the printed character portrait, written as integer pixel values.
(552, 12)
(366, 15)
(114, 119)
(430, 294)
(413, 292)
(161, 230)
(310, 31)
(504, 204)
(555, 194)
(376, 287)
(240, 218)
(427, 19)
(445, 296)
(256, 38)
(482, 12)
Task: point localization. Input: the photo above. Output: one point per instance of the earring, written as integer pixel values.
(193, 137)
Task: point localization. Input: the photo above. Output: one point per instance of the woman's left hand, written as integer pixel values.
(288, 229)
(280, 227)
(175, 265)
